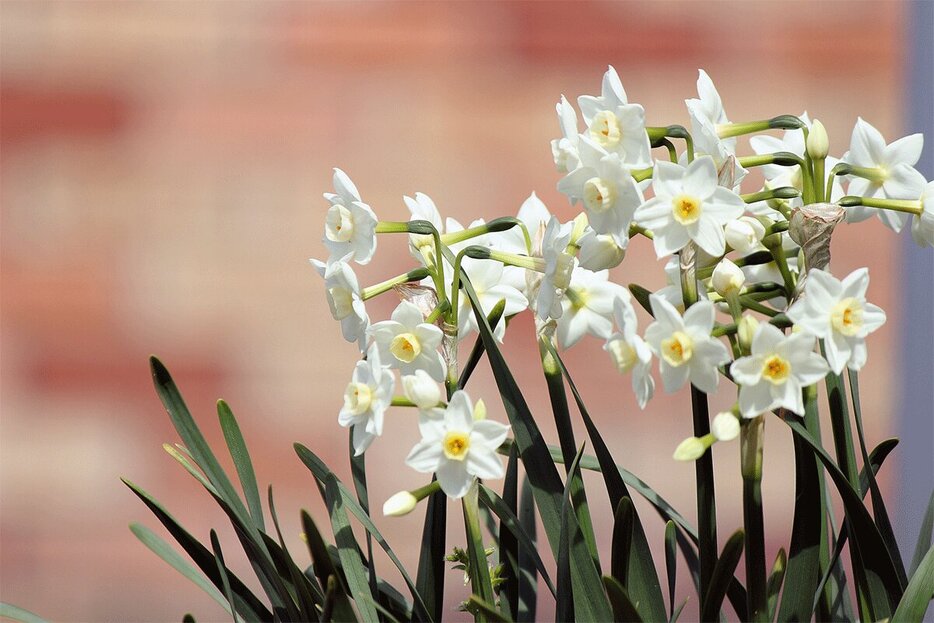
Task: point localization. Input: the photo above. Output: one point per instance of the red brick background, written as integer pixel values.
(162, 170)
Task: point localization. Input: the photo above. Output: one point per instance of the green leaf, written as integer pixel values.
(430, 575)
(507, 539)
(480, 606)
(919, 593)
(221, 570)
(246, 603)
(347, 548)
(621, 546)
(478, 569)
(336, 604)
(706, 499)
(623, 608)
(165, 551)
(924, 537)
(642, 296)
(320, 471)
(309, 592)
(494, 318)
(358, 473)
(671, 564)
(528, 585)
(9, 611)
(776, 577)
(511, 523)
(722, 576)
(241, 459)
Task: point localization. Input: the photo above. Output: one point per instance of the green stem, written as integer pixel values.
(818, 180)
(751, 457)
(783, 192)
(375, 290)
(898, 205)
(774, 244)
(479, 570)
(392, 227)
(729, 130)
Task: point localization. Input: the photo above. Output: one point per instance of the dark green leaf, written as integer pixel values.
(671, 564)
(482, 607)
(924, 537)
(621, 547)
(642, 296)
(336, 604)
(241, 459)
(919, 593)
(358, 473)
(309, 592)
(494, 318)
(776, 577)
(528, 584)
(221, 570)
(722, 576)
(507, 538)
(430, 575)
(623, 608)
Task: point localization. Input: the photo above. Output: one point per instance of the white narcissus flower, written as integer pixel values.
(922, 225)
(564, 149)
(344, 299)
(422, 208)
(707, 114)
(777, 370)
(599, 251)
(421, 389)
(350, 226)
(457, 447)
(896, 161)
(615, 124)
(672, 293)
(689, 205)
(837, 312)
(559, 264)
(366, 399)
(408, 343)
(727, 278)
(486, 277)
(629, 352)
(588, 306)
(745, 234)
(684, 345)
(605, 186)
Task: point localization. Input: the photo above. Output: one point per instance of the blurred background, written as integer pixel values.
(162, 170)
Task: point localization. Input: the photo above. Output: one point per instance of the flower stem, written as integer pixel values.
(898, 205)
(751, 458)
(375, 290)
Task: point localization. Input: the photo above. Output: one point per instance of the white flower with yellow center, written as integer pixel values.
(559, 265)
(895, 162)
(688, 205)
(564, 149)
(684, 345)
(366, 399)
(344, 299)
(628, 351)
(350, 225)
(707, 116)
(408, 343)
(837, 312)
(605, 186)
(588, 306)
(615, 124)
(776, 371)
(458, 444)
(486, 277)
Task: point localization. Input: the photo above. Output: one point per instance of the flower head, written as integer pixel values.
(565, 149)
(409, 343)
(559, 265)
(366, 399)
(350, 226)
(922, 225)
(837, 312)
(689, 205)
(629, 351)
(707, 114)
(599, 251)
(588, 306)
(684, 345)
(421, 389)
(457, 447)
(615, 124)
(344, 299)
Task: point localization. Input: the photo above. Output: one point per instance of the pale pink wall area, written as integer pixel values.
(162, 171)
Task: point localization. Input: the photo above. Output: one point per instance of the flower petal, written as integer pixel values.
(454, 479)
(425, 456)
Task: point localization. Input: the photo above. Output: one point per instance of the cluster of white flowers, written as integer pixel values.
(732, 254)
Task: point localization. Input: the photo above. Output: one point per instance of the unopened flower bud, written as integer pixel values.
(745, 330)
(599, 251)
(725, 426)
(690, 449)
(421, 389)
(399, 504)
(818, 144)
(744, 234)
(728, 278)
(479, 411)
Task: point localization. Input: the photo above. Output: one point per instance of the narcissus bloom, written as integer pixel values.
(421, 389)
(457, 446)
(486, 277)
(366, 399)
(599, 251)
(559, 264)
(837, 312)
(615, 124)
(344, 299)
(565, 149)
(588, 306)
(689, 205)
(628, 351)
(350, 226)
(422, 208)
(778, 369)
(409, 343)
(707, 115)
(922, 225)
(684, 345)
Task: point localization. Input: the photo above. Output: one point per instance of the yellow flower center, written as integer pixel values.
(405, 347)
(776, 370)
(847, 317)
(677, 349)
(357, 397)
(623, 354)
(456, 445)
(599, 194)
(686, 209)
(605, 130)
(341, 302)
(339, 224)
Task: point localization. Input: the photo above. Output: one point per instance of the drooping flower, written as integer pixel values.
(350, 226)
(588, 306)
(684, 345)
(629, 351)
(344, 299)
(559, 265)
(724, 426)
(399, 504)
(837, 312)
(565, 149)
(366, 399)
(689, 205)
(457, 446)
(615, 124)
(607, 189)
(895, 162)
(776, 371)
(409, 343)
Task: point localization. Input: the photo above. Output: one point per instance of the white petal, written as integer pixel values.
(810, 370)
(345, 187)
(488, 434)
(708, 235)
(905, 150)
(673, 378)
(704, 376)
(700, 178)
(407, 315)
(665, 314)
(484, 464)
(855, 284)
(788, 395)
(747, 370)
(670, 238)
(454, 479)
(755, 399)
(838, 352)
(766, 338)
(459, 414)
(873, 318)
(666, 179)
(425, 456)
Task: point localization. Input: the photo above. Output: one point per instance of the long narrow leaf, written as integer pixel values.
(776, 578)
(671, 565)
(528, 584)
(241, 459)
(358, 473)
(919, 593)
(15, 613)
(336, 604)
(924, 537)
(508, 539)
(430, 575)
(310, 593)
(623, 608)
(722, 576)
(621, 547)
(221, 569)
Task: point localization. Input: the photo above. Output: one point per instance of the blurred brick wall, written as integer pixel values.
(162, 166)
